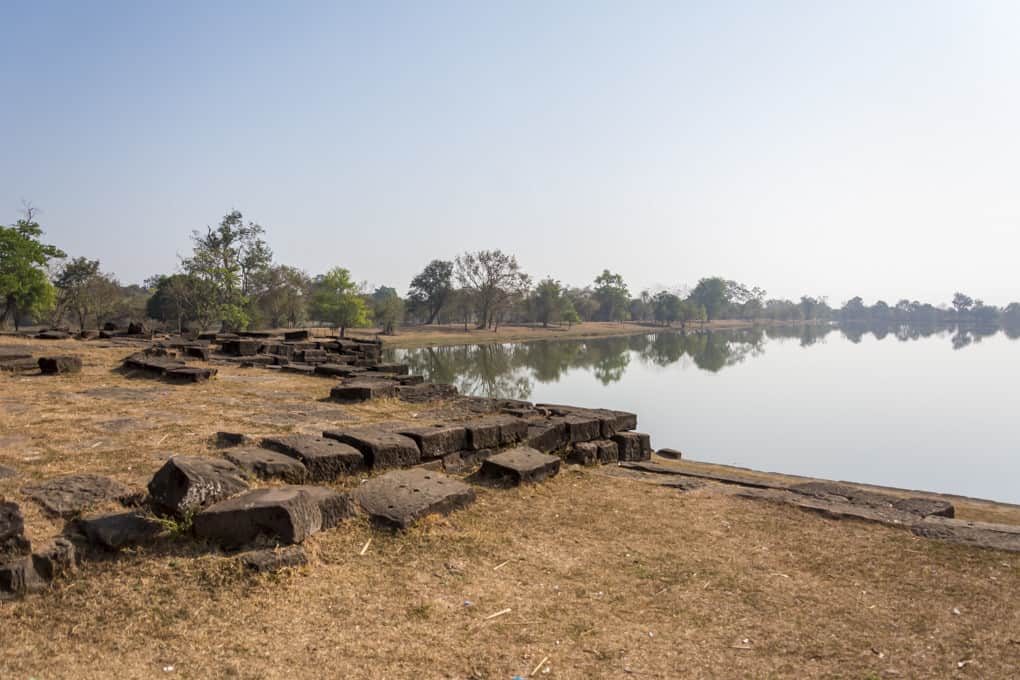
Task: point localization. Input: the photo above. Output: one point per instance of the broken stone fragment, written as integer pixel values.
(402, 497)
(381, 449)
(62, 364)
(672, 454)
(288, 514)
(186, 484)
(609, 452)
(584, 453)
(71, 495)
(520, 465)
(12, 532)
(363, 390)
(266, 464)
(325, 459)
(55, 558)
(122, 529)
(225, 440)
(193, 374)
(547, 436)
(272, 560)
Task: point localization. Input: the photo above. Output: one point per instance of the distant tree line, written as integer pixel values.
(231, 281)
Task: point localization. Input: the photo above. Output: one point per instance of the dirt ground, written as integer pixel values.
(585, 576)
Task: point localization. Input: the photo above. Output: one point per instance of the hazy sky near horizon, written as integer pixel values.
(839, 149)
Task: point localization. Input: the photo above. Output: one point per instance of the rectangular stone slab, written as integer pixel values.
(584, 453)
(325, 459)
(286, 513)
(267, 464)
(357, 391)
(116, 531)
(520, 465)
(547, 436)
(381, 449)
(402, 497)
(186, 484)
(633, 446)
(437, 441)
(583, 428)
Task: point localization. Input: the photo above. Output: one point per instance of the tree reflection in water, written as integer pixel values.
(510, 370)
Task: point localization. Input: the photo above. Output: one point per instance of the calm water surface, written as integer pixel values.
(922, 409)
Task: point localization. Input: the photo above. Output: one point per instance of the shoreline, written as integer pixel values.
(448, 335)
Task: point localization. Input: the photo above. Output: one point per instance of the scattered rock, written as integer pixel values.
(672, 454)
(381, 449)
(334, 506)
(62, 364)
(324, 459)
(402, 497)
(193, 374)
(53, 335)
(185, 484)
(225, 440)
(71, 495)
(22, 365)
(272, 560)
(19, 577)
(363, 390)
(12, 532)
(633, 446)
(116, 531)
(266, 464)
(926, 507)
(439, 440)
(288, 514)
(548, 436)
(55, 558)
(520, 465)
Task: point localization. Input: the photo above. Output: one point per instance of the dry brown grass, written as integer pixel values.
(606, 577)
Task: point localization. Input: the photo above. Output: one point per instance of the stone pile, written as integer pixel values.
(161, 362)
(17, 360)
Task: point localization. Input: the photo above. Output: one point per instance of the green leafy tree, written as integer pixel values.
(666, 307)
(568, 314)
(235, 259)
(184, 300)
(713, 294)
(494, 281)
(387, 309)
(612, 295)
(25, 289)
(337, 301)
(73, 282)
(548, 301)
(285, 298)
(432, 288)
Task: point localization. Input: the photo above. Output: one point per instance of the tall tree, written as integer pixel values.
(236, 260)
(387, 309)
(24, 286)
(285, 298)
(337, 301)
(612, 295)
(713, 294)
(432, 287)
(548, 301)
(962, 302)
(493, 279)
(73, 282)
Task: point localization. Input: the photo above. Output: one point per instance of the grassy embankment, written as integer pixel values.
(597, 576)
(454, 334)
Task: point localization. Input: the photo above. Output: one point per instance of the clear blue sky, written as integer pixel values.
(833, 148)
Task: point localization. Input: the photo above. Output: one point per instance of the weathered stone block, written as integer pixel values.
(18, 577)
(438, 440)
(117, 531)
(63, 364)
(583, 428)
(197, 352)
(395, 369)
(272, 560)
(266, 464)
(381, 449)
(70, 495)
(672, 454)
(402, 497)
(325, 459)
(334, 506)
(288, 514)
(363, 390)
(548, 436)
(483, 434)
(296, 336)
(226, 440)
(55, 558)
(12, 532)
(418, 393)
(193, 374)
(584, 453)
(241, 347)
(633, 446)
(19, 365)
(609, 452)
(520, 465)
(186, 484)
